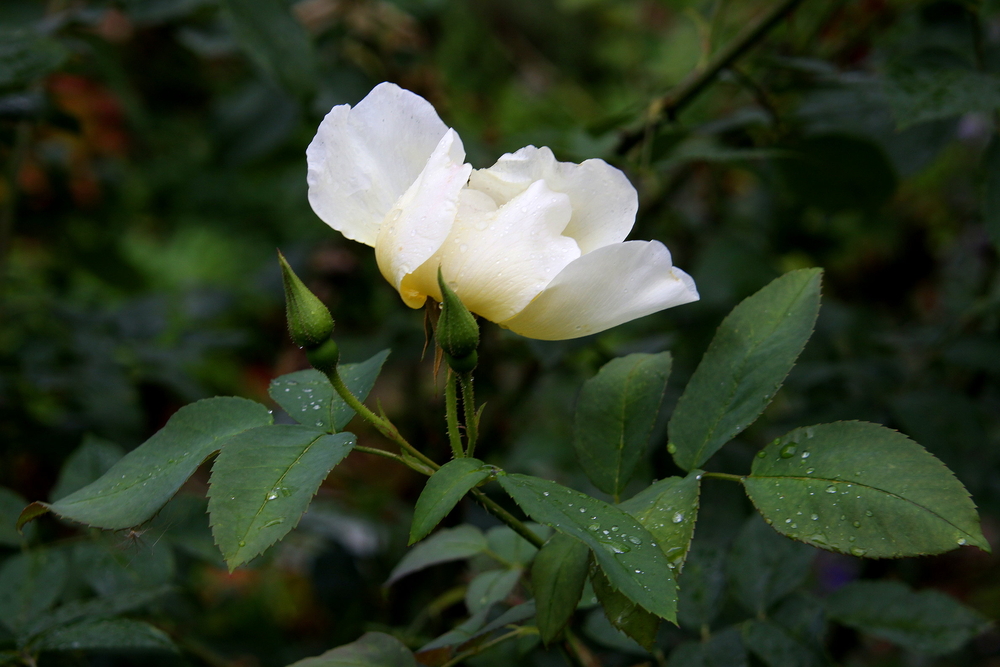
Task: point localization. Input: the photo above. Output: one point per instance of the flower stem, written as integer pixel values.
(411, 464)
(451, 414)
(384, 426)
(722, 475)
(469, 405)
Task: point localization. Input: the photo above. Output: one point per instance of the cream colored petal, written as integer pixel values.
(363, 159)
(604, 202)
(421, 219)
(497, 260)
(605, 288)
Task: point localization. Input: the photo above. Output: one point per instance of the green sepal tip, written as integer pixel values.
(309, 321)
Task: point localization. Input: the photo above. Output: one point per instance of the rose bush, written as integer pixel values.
(535, 245)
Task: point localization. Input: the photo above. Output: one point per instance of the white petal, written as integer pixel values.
(421, 219)
(363, 159)
(605, 288)
(604, 202)
(498, 260)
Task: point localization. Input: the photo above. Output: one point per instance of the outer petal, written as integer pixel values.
(421, 219)
(497, 261)
(604, 202)
(603, 289)
(363, 159)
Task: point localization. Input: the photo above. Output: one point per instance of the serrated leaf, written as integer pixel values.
(445, 545)
(96, 608)
(26, 56)
(30, 583)
(776, 647)
(615, 415)
(133, 490)
(512, 550)
(744, 366)
(991, 190)
(11, 505)
(443, 490)
(624, 614)
(275, 41)
(668, 509)
(862, 489)
(926, 621)
(474, 628)
(262, 483)
(763, 567)
(309, 398)
(488, 588)
(701, 587)
(94, 457)
(627, 552)
(115, 634)
(373, 649)
(558, 574)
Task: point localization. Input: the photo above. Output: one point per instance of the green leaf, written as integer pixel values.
(668, 509)
(94, 609)
(275, 42)
(309, 398)
(262, 483)
(445, 545)
(918, 95)
(927, 621)
(133, 490)
(94, 457)
(373, 649)
(746, 362)
(114, 565)
(488, 588)
(115, 634)
(991, 190)
(624, 614)
(862, 489)
(557, 576)
(627, 552)
(599, 628)
(615, 415)
(443, 490)
(701, 587)
(723, 649)
(764, 567)
(512, 550)
(776, 647)
(11, 505)
(30, 583)
(26, 56)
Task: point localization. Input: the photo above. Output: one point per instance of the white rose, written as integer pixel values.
(532, 244)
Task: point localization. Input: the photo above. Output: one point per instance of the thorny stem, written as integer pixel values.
(723, 475)
(451, 414)
(668, 106)
(469, 405)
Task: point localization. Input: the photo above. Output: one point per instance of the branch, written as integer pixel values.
(668, 106)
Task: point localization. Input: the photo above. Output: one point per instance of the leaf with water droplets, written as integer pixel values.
(624, 614)
(615, 415)
(133, 490)
(635, 567)
(865, 490)
(443, 490)
(263, 482)
(746, 362)
(668, 510)
(558, 574)
(309, 398)
(926, 621)
(490, 587)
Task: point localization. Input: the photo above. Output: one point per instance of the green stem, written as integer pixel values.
(668, 106)
(412, 465)
(579, 652)
(499, 512)
(722, 475)
(384, 426)
(451, 414)
(469, 405)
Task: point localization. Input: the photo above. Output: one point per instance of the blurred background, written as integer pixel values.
(152, 156)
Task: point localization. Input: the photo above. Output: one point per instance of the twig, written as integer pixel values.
(724, 475)
(668, 106)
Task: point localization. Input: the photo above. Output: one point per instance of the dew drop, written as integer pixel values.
(761, 454)
(678, 517)
(962, 542)
(614, 529)
(810, 471)
(868, 513)
(788, 451)
(856, 524)
(273, 522)
(242, 543)
(594, 526)
(545, 493)
(805, 455)
(815, 517)
(635, 540)
(831, 489)
(858, 551)
(671, 448)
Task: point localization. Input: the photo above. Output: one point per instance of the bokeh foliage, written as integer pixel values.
(153, 159)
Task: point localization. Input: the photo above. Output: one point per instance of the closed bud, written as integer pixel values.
(325, 356)
(457, 331)
(309, 321)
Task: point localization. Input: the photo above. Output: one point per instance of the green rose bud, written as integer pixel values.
(457, 331)
(324, 358)
(309, 321)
